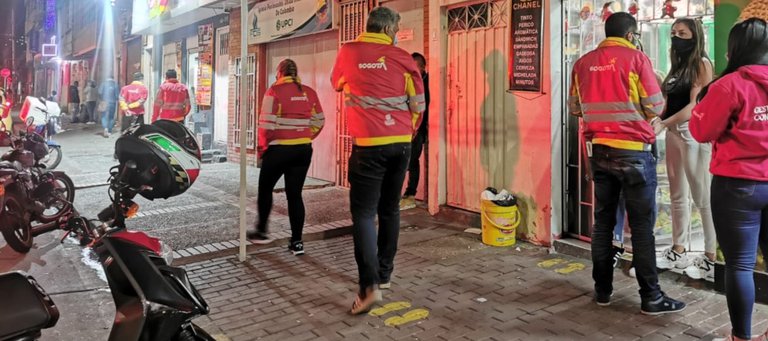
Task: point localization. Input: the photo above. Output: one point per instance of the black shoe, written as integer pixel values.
(297, 248)
(258, 237)
(663, 305)
(603, 300)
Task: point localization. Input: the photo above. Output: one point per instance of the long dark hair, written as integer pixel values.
(747, 45)
(288, 68)
(686, 69)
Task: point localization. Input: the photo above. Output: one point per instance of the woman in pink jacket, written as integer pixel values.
(733, 115)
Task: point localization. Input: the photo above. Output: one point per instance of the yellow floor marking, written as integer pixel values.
(550, 262)
(572, 267)
(413, 315)
(220, 337)
(390, 307)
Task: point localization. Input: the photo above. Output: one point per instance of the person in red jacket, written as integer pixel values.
(384, 98)
(733, 114)
(172, 100)
(291, 117)
(616, 94)
(132, 98)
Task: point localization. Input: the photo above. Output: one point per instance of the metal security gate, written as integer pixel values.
(480, 129)
(354, 14)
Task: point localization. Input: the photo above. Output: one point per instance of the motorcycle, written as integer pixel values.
(45, 116)
(34, 198)
(153, 300)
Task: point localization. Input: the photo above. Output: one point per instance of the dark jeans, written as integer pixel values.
(414, 169)
(740, 214)
(293, 162)
(634, 174)
(376, 176)
(90, 112)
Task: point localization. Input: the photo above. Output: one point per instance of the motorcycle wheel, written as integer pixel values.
(16, 228)
(193, 333)
(53, 158)
(64, 192)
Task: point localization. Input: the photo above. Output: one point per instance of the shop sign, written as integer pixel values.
(525, 55)
(405, 35)
(205, 69)
(282, 19)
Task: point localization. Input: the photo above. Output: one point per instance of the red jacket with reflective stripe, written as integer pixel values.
(132, 98)
(172, 101)
(614, 89)
(289, 115)
(383, 90)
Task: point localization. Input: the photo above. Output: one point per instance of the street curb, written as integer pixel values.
(231, 248)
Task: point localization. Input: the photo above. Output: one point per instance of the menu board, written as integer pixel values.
(525, 57)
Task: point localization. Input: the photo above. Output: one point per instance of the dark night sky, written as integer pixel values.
(7, 34)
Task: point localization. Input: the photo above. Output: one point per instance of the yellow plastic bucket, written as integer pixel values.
(499, 223)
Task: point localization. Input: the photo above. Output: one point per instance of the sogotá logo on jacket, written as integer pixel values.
(381, 63)
(608, 67)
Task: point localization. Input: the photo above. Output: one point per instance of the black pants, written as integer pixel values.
(90, 112)
(128, 121)
(414, 168)
(293, 162)
(376, 176)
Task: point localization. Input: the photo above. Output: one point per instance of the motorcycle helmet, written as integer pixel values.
(37, 145)
(167, 155)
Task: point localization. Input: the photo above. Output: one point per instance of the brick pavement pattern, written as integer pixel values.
(472, 292)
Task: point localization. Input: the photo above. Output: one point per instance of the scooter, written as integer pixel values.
(154, 300)
(45, 115)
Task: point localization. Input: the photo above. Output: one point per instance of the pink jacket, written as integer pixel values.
(172, 102)
(734, 117)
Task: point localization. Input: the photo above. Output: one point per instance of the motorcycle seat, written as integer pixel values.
(11, 165)
(26, 308)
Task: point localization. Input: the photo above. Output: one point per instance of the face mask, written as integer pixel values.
(683, 46)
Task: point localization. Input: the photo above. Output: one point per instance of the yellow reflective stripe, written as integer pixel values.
(613, 117)
(135, 105)
(291, 142)
(410, 88)
(377, 38)
(381, 140)
(635, 88)
(415, 118)
(622, 144)
(384, 104)
(610, 107)
(292, 121)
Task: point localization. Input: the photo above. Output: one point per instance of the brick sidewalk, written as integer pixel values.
(469, 291)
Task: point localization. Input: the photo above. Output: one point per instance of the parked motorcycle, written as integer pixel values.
(34, 198)
(45, 123)
(154, 300)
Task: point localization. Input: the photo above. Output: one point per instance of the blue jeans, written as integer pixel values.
(740, 214)
(376, 176)
(632, 173)
(108, 117)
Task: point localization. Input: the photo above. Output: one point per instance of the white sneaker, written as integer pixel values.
(702, 268)
(671, 259)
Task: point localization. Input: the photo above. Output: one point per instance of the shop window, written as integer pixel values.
(250, 102)
(481, 15)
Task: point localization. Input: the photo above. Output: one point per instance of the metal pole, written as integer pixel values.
(244, 103)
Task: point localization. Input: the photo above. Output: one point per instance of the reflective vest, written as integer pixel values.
(132, 98)
(614, 89)
(172, 102)
(289, 115)
(383, 90)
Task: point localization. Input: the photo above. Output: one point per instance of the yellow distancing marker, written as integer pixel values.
(390, 307)
(220, 337)
(413, 315)
(572, 267)
(550, 262)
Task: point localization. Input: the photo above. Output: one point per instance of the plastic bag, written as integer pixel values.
(503, 198)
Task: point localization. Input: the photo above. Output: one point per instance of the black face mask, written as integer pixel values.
(683, 46)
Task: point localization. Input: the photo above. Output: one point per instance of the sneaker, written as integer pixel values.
(105, 133)
(663, 305)
(257, 237)
(617, 252)
(384, 286)
(702, 268)
(671, 259)
(603, 300)
(407, 202)
(297, 248)
(90, 122)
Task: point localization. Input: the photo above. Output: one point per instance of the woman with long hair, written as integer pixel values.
(687, 160)
(733, 115)
(291, 117)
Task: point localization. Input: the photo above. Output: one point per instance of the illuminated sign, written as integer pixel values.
(157, 8)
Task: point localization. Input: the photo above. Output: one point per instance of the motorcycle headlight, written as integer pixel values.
(166, 252)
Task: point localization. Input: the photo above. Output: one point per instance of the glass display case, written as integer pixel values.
(584, 25)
